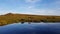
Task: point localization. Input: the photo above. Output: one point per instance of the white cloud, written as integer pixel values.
(34, 11)
(44, 11)
(30, 7)
(32, 1)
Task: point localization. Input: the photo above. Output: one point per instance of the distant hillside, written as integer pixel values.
(15, 18)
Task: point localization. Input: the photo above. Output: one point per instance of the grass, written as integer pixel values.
(15, 18)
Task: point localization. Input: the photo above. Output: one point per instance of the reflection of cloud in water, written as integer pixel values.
(31, 27)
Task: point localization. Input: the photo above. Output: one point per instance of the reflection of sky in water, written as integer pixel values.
(34, 28)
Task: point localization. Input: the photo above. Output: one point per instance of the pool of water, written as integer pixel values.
(33, 28)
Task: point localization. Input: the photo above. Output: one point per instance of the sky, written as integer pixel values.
(36, 7)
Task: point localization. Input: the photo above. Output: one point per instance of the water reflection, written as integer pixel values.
(25, 22)
(33, 28)
(22, 22)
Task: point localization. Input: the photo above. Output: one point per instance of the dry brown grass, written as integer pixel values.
(15, 18)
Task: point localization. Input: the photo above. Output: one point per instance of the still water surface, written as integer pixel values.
(33, 28)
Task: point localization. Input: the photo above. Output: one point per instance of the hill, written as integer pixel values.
(16, 18)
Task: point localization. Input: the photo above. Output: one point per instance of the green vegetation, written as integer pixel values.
(16, 18)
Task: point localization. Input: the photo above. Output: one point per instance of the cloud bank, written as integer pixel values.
(37, 7)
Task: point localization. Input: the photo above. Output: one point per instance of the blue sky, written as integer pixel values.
(37, 7)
